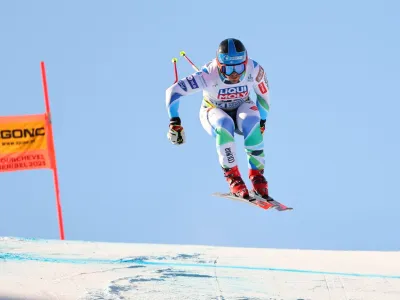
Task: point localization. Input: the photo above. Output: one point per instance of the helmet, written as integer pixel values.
(231, 57)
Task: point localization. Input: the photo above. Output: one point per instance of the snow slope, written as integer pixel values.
(47, 269)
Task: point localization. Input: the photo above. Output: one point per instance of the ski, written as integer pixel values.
(256, 201)
(276, 204)
(279, 206)
(253, 200)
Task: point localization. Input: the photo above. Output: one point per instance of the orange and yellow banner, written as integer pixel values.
(24, 143)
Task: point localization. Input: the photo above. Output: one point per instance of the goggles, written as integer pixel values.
(229, 69)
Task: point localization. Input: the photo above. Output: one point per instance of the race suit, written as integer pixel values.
(227, 108)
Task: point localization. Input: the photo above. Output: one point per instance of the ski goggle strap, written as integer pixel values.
(228, 69)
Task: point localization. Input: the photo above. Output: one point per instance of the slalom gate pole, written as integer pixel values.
(50, 140)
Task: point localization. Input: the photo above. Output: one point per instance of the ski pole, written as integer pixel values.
(182, 53)
(174, 60)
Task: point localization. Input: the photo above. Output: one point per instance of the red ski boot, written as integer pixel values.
(260, 185)
(236, 183)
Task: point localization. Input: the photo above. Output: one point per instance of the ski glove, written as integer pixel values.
(262, 126)
(176, 134)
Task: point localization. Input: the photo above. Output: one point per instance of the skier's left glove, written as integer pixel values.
(262, 126)
(176, 134)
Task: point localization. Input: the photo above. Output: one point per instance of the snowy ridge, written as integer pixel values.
(51, 269)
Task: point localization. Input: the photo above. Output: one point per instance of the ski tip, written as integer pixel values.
(283, 208)
(217, 194)
(174, 60)
(182, 53)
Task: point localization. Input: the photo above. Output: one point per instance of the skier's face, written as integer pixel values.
(234, 77)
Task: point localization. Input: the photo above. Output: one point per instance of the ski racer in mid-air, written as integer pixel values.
(226, 109)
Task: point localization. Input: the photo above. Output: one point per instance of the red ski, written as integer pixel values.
(256, 201)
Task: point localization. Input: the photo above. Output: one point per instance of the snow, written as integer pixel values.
(52, 269)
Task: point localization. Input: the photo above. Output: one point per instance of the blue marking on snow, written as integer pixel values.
(29, 257)
(167, 273)
(141, 261)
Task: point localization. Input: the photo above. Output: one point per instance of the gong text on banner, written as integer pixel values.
(24, 143)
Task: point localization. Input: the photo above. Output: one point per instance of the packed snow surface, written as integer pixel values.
(51, 269)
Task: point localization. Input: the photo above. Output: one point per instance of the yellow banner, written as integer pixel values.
(23, 143)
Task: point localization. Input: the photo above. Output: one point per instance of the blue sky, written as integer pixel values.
(332, 146)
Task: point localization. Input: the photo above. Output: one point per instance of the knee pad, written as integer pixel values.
(227, 124)
(249, 123)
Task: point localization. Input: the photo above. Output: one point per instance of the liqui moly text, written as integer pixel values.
(233, 93)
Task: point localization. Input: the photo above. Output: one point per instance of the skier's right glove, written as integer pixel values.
(262, 126)
(176, 134)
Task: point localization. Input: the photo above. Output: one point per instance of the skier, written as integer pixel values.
(226, 109)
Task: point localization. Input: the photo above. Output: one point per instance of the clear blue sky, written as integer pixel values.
(332, 142)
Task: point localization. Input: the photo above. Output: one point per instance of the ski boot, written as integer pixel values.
(260, 185)
(236, 184)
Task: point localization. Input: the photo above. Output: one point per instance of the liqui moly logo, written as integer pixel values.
(233, 93)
